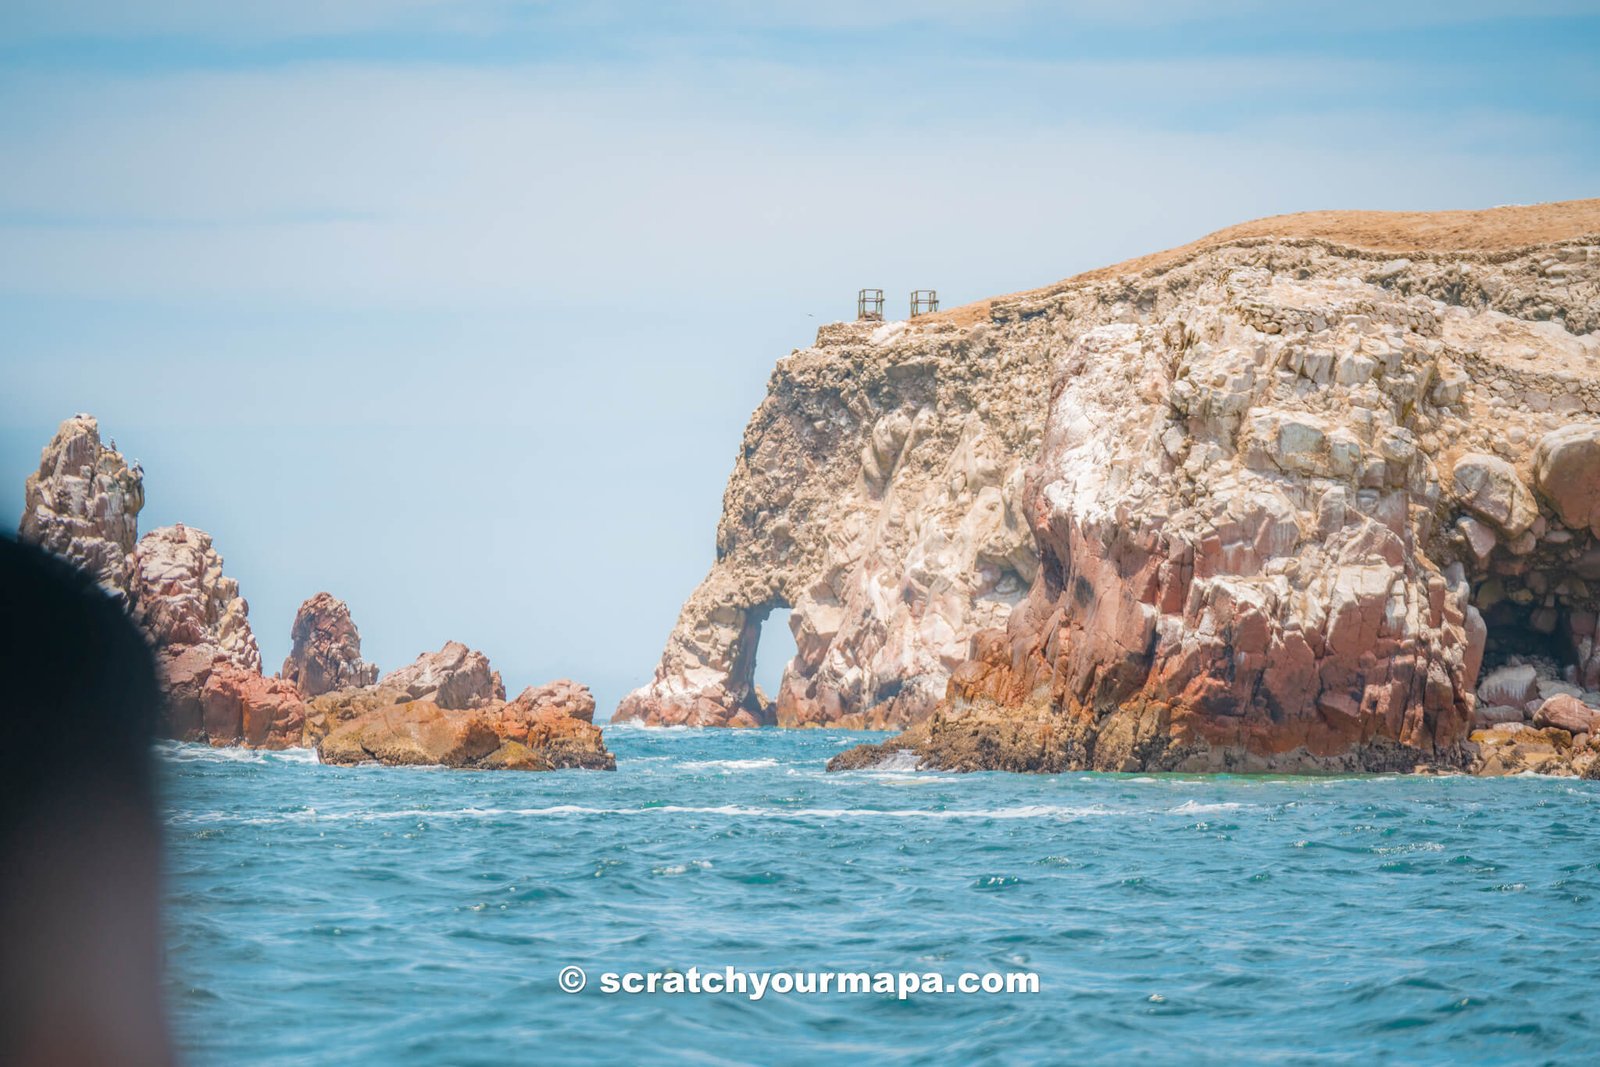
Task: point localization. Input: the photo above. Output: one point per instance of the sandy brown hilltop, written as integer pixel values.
(1498, 229)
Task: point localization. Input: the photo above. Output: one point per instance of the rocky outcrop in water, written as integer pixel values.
(535, 732)
(206, 652)
(877, 494)
(447, 707)
(83, 504)
(562, 696)
(181, 598)
(1250, 420)
(1291, 494)
(549, 727)
(212, 700)
(417, 733)
(325, 649)
(454, 677)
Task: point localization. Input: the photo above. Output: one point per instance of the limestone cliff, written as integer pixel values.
(83, 504)
(878, 494)
(1297, 483)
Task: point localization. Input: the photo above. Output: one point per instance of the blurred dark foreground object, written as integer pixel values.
(80, 847)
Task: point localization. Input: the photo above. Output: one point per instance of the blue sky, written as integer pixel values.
(458, 309)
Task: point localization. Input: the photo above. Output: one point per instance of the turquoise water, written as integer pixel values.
(387, 916)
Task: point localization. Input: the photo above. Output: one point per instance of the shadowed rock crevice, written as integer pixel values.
(1535, 575)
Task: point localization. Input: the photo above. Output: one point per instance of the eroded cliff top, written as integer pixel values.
(1498, 229)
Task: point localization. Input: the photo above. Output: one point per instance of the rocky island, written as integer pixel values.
(1317, 492)
(447, 708)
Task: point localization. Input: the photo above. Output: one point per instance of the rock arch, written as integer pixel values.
(877, 495)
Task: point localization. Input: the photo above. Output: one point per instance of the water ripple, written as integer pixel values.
(376, 915)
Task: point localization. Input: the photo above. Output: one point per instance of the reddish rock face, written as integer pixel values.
(455, 677)
(212, 700)
(245, 708)
(326, 649)
(1566, 713)
(210, 665)
(559, 733)
(1223, 679)
(181, 597)
(184, 672)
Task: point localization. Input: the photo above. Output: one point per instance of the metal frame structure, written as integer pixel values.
(924, 301)
(869, 305)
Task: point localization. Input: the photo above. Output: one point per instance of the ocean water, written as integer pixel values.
(323, 915)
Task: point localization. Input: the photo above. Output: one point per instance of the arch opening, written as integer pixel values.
(775, 650)
(765, 648)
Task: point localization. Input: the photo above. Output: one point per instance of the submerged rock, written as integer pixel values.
(325, 652)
